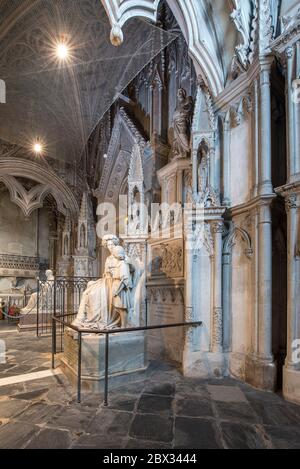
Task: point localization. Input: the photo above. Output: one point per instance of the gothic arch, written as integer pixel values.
(47, 183)
(234, 234)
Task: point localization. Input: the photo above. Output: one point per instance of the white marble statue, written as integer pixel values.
(45, 295)
(107, 302)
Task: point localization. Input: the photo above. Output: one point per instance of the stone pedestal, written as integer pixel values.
(28, 322)
(126, 356)
(203, 348)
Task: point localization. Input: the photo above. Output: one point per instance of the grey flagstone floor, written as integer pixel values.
(161, 410)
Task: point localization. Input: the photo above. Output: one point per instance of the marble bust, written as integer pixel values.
(107, 302)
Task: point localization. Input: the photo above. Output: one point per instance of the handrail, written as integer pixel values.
(106, 332)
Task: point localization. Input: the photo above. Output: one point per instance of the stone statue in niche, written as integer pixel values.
(203, 169)
(182, 125)
(108, 302)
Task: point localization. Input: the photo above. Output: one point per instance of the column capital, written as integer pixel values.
(218, 227)
(266, 62)
(291, 202)
(289, 52)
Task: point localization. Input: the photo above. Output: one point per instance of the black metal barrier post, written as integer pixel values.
(37, 306)
(53, 342)
(79, 367)
(106, 371)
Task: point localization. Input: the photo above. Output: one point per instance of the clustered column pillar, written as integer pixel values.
(290, 191)
(260, 368)
(291, 209)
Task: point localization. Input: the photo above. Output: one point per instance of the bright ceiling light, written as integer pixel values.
(37, 148)
(62, 51)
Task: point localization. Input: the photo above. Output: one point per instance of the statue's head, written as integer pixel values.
(119, 252)
(181, 94)
(49, 275)
(14, 282)
(109, 241)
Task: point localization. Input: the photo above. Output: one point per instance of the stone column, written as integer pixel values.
(265, 282)
(290, 112)
(260, 370)
(265, 174)
(226, 159)
(255, 124)
(226, 300)
(297, 117)
(195, 171)
(189, 303)
(291, 208)
(291, 370)
(217, 332)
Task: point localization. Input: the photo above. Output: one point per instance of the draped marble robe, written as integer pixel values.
(103, 298)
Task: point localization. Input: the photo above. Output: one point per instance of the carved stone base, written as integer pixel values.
(126, 356)
(260, 373)
(291, 384)
(28, 322)
(205, 365)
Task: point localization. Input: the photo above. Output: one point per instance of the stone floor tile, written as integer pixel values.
(108, 421)
(284, 437)
(31, 395)
(226, 393)
(242, 436)
(100, 442)
(12, 407)
(50, 439)
(236, 411)
(152, 427)
(276, 414)
(38, 413)
(163, 389)
(155, 404)
(72, 418)
(144, 444)
(124, 402)
(16, 435)
(195, 433)
(193, 407)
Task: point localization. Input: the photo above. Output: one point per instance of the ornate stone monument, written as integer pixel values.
(40, 302)
(108, 304)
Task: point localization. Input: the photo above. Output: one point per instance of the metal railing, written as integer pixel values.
(57, 297)
(60, 320)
